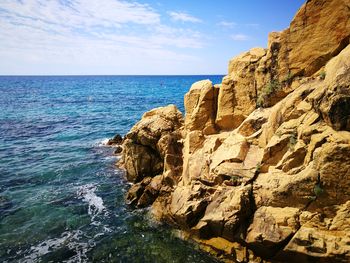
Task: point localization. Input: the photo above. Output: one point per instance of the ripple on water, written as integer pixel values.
(61, 198)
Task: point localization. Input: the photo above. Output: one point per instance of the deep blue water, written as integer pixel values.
(61, 196)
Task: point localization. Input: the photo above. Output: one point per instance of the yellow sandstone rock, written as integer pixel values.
(259, 170)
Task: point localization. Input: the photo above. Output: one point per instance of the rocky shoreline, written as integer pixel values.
(258, 170)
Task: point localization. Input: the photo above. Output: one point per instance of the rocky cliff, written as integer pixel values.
(259, 167)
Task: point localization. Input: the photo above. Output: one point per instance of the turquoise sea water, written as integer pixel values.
(61, 197)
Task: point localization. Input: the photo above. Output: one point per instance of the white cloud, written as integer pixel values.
(226, 24)
(240, 37)
(108, 33)
(82, 12)
(184, 17)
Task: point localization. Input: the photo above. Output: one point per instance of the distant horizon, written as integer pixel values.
(115, 75)
(141, 37)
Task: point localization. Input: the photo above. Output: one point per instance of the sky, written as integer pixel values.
(140, 37)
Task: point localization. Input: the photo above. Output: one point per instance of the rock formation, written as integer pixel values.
(259, 167)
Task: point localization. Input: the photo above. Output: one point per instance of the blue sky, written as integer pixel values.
(91, 37)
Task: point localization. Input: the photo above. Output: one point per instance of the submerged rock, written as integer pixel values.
(116, 140)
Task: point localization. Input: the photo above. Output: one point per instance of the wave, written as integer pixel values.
(103, 142)
(69, 239)
(75, 240)
(87, 193)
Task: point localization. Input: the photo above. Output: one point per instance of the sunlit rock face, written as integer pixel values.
(259, 168)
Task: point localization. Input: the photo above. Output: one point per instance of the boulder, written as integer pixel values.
(234, 149)
(134, 193)
(271, 227)
(155, 124)
(227, 210)
(237, 95)
(150, 141)
(150, 192)
(321, 239)
(188, 204)
(117, 139)
(118, 150)
(318, 32)
(275, 150)
(334, 104)
(332, 161)
(279, 189)
(200, 105)
(336, 70)
(140, 161)
(253, 123)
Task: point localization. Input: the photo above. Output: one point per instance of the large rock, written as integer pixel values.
(332, 162)
(197, 152)
(188, 204)
(140, 161)
(136, 191)
(279, 189)
(337, 69)
(200, 105)
(253, 123)
(153, 149)
(290, 108)
(318, 32)
(271, 227)
(217, 158)
(155, 124)
(150, 141)
(320, 239)
(234, 149)
(333, 103)
(227, 211)
(237, 94)
(234, 160)
(262, 77)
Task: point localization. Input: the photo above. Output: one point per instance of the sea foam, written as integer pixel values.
(87, 193)
(103, 142)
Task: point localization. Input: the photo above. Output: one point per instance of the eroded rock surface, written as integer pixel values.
(152, 145)
(259, 169)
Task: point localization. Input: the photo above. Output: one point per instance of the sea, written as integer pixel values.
(61, 195)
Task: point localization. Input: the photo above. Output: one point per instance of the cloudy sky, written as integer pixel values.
(78, 37)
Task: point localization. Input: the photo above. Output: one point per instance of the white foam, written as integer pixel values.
(45, 247)
(71, 239)
(103, 142)
(87, 193)
(107, 158)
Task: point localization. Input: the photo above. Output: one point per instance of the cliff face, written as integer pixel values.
(262, 77)
(260, 165)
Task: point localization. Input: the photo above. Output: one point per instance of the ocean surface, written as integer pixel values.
(61, 196)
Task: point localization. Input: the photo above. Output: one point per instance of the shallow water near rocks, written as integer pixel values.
(61, 197)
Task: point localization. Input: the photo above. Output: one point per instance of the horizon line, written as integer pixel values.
(104, 75)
